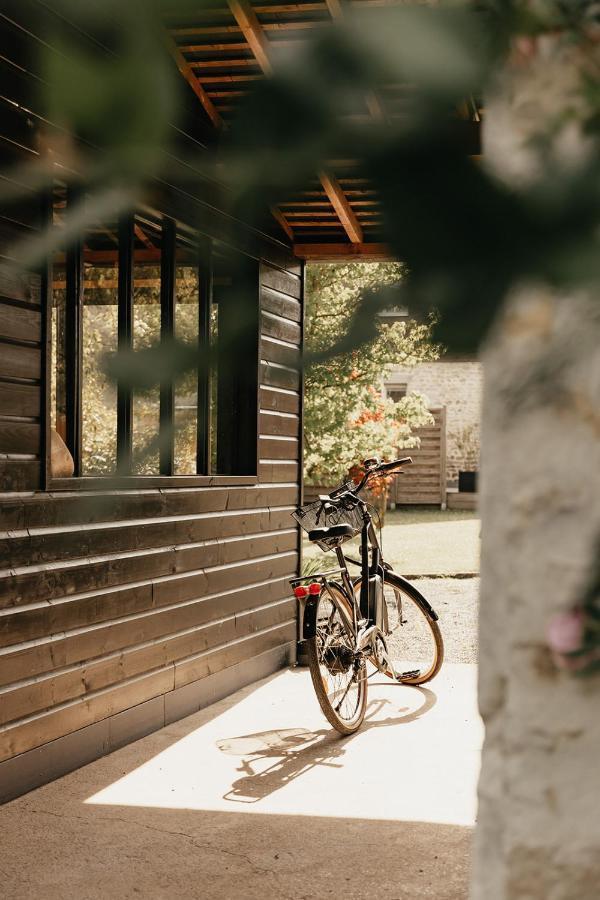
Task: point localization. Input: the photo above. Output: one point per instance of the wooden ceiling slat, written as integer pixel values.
(227, 95)
(222, 63)
(291, 8)
(290, 205)
(293, 25)
(320, 223)
(229, 78)
(213, 48)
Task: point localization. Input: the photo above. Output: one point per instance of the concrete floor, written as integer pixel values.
(256, 797)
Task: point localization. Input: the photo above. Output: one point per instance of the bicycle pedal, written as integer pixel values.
(404, 676)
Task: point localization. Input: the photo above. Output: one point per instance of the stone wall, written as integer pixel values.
(538, 829)
(458, 387)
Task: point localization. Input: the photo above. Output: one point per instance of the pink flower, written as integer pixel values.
(565, 631)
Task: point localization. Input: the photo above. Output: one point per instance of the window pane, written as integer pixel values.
(186, 386)
(146, 333)
(99, 337)
(234, 390)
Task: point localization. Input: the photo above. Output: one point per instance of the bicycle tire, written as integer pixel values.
(420, 607)
(344, 726)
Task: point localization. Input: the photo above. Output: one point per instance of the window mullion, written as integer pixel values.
(73, 342)
(125, 342)
(205, 291)
(167, 328)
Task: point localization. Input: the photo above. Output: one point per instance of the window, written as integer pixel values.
(396, 392)
(139, 283)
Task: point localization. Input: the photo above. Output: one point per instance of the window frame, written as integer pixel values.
(173, 231)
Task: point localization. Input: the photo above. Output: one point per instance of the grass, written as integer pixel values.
(423, 542)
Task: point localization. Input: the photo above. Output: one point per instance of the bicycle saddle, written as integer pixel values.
(334, 531)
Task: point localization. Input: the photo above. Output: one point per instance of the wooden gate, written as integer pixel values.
(425, 481)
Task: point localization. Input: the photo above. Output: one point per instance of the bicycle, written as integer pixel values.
(377, 618)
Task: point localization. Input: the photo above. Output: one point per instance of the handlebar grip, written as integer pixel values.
(389, 467)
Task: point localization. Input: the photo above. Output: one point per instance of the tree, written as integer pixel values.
(346, 418)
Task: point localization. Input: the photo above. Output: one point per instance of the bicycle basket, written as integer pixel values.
(312, 515)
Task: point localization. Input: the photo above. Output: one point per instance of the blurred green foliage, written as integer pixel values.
(346, 418)
(466, 236)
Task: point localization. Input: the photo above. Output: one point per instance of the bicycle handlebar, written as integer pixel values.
(376, 470)
(383, 469)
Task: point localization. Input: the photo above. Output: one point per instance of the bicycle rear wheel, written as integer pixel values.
(339, 678)
(414, 641)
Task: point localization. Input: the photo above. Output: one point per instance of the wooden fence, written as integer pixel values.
(425, 481)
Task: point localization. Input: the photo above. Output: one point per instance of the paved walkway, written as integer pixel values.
(257, 797)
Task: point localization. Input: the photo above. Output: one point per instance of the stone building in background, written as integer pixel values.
(457, 385)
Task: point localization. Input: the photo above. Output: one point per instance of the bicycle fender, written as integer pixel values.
(417, 595)
(308, 614)
(410, 589)
(309, 619)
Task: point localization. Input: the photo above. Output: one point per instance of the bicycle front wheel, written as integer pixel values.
(414, 641)
(338, 676)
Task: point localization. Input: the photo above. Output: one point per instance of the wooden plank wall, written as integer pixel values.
(20, 311)
(114, 600)
(425, 481)
(110, 598)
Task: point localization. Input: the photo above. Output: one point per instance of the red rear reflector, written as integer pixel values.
(300, 592)
(314, 588)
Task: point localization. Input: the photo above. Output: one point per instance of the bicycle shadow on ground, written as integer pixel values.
(298, 750)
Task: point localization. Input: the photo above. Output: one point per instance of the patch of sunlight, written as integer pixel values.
(416, 757)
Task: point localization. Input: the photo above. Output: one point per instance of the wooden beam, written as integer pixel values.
(335, 252)
(143, 237)
(335, 9)
(374, 105)
(282, 222)
(187, 72)
(340, 203)
(253, 32)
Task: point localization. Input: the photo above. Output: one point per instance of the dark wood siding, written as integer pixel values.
(110, 598)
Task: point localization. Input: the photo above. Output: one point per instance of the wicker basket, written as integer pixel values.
(312, 516)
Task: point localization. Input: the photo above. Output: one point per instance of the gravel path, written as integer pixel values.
(456, 601)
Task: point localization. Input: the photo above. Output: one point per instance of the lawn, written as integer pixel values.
(425, 542)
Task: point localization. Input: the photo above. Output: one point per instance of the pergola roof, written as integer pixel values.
(224, 50)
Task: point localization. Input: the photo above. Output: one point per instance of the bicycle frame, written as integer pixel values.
(363, 626)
